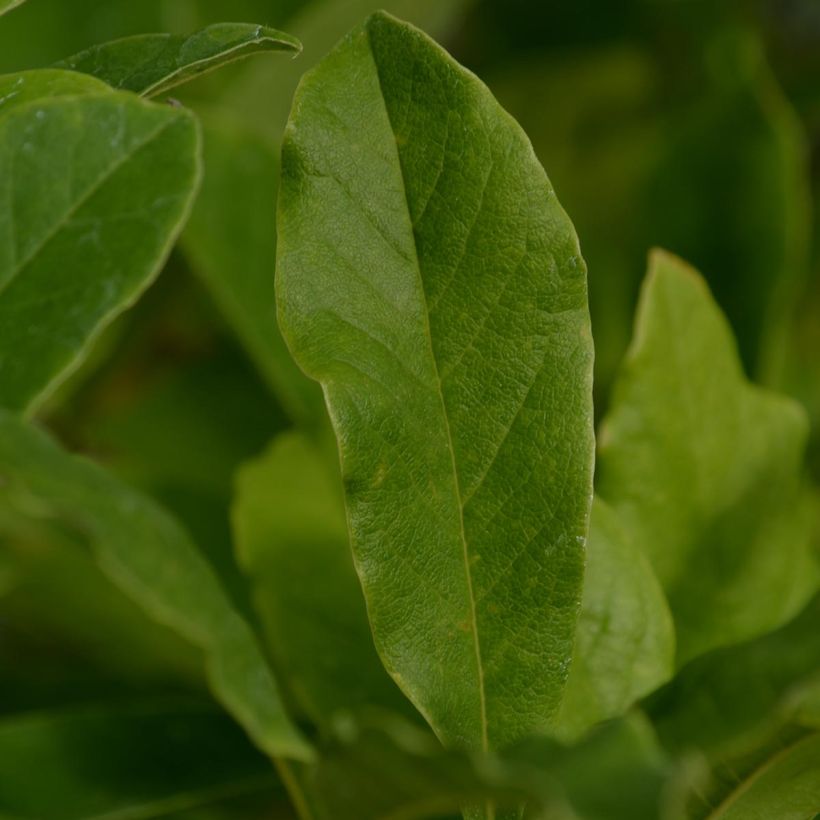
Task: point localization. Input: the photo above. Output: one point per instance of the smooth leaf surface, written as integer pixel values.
(429, 279)
(128, 761)
(625, 644)
(151, 64)
(95, 189)
(234, 250)
(151, 558)
(291, 537)
(27, 86)
(703, 470)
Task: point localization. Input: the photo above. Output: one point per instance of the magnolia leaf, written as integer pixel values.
(233, 249)
(151, 64)
(151, 558)
(95, 189)
(296, 551)
(703, 469)
(429, 279)
(136, 760)
(625, 644)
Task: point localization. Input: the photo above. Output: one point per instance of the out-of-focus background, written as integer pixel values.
(688, 124)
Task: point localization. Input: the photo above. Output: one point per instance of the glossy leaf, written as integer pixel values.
(151, 64)
(291, 536)
(625, 644)
(28, 86)
(234, 250)
(95, 189)
(150, 557)
(703, 470)
(141, 760)
(429, 279)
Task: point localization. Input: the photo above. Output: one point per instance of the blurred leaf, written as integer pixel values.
(234, 250)
(151, 64)
(96, 188)
(703, 470)
(153, 561)
(381, 769)
(730, 194)
(291, 536)
(8, 5)
(125, 761)
(625, 643)
(780, 782)
(430, 280)
(731, 700)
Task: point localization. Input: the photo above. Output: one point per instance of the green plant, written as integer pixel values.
(429, 613)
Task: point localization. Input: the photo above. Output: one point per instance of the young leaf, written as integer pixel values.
(429, 279)
(151, 64)
(625, 644)
(703, 470)
(233, 249)
(296, 551)
(153, 561)
(132, 760)
(94, 189)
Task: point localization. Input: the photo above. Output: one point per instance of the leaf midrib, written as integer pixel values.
(449, 437)
(20, 265)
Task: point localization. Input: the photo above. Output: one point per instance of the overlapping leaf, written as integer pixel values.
(704, 470)
(430, 280)
(95, 188)
(151, 64)
(151, 559)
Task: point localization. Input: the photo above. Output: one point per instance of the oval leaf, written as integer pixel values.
(150, 64)
(151, 558)
(429, 279)
(94, 190)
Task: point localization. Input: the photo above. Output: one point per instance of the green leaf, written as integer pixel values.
(625, 644)
(291, 536)
(382, 768)
(95, 189)
(733, 699)
(8, 5)
(703, 470)
(152, 560)
(28, 86)
(429, 279)
(136, 760)
(151, 64)
(234, 250)
(781, 782)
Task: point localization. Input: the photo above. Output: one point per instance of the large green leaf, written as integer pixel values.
(291, 536)
(429, 279)
(128, 761)
(703, 470)
(625, 644)
(151, 64)
(148, 555)
(95, 189)
(29, 86)
(234, 250)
